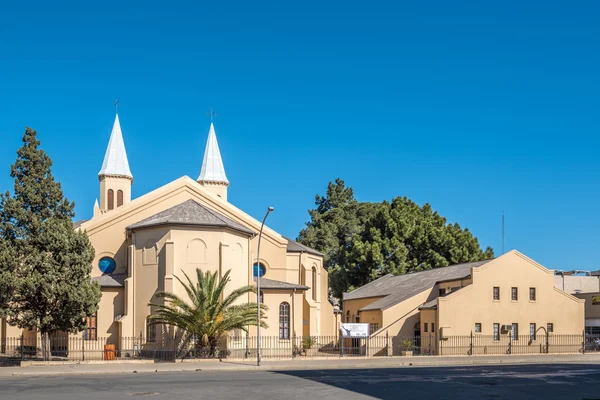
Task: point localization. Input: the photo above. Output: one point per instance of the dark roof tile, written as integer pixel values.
(190, 213)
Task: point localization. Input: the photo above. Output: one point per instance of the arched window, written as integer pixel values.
(150, 331)
(348, 316)
(284, 320)
(111, 199)
(119, 198)
(259, 267)
(314, 284)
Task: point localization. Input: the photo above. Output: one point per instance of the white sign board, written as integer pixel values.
(355, 330)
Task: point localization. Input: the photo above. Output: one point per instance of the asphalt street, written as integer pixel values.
(566, 381)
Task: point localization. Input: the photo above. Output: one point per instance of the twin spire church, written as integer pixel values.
(116, 178)
(142, 244)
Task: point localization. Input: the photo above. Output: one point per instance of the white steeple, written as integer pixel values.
(213, 171)
(115, 160)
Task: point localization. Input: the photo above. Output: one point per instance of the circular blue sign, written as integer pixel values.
(107, 265)
(260, 267)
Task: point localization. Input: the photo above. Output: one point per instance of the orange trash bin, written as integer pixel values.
(109, 352)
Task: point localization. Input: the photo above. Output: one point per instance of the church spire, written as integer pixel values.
(212, 170)
(212, 173)
(115, 176)
(115, 159)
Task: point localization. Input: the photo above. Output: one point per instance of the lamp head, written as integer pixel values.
(271, 209)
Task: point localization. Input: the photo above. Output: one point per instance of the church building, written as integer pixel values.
(143, 244)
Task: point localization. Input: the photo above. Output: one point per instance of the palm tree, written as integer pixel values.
(207, 315)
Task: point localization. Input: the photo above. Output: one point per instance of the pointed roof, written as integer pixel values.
(115, 159)
(191, 213)
(212, 165)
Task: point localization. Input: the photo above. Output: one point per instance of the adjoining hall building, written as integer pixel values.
(583, 285)
(142, 244)
(510, 294)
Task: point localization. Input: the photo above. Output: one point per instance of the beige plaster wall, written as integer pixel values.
(353, 307)
(111, 305)
(400, 319)
(458, 312)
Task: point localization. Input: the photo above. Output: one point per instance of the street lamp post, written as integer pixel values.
(269, 210)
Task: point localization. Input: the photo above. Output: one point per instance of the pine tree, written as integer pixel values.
(45, 264)
(364, 241)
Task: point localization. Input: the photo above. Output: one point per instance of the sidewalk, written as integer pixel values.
(282, 365)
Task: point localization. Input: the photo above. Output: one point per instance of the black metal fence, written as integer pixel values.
(70, 348)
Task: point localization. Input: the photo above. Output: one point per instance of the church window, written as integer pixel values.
(314, 284)
(284, 320)
(107, 265)
(91, 327)
(119, 198)
(259, 267)
(150, 331)
(111, 199)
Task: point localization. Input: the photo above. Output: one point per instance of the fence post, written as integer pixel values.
(247, 351)
(140, 345)
(22, 338)
(547, 341)
(342, 355)
(294, 344)
(583, 343)
(509, 342)
(83, 346)
(387, 344)
(471, 344)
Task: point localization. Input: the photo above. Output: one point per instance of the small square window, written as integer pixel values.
(550, 327)
(496, 293)
(532, 296)
(478, 327)
(514, 294)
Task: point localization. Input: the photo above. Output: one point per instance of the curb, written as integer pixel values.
(403, 364)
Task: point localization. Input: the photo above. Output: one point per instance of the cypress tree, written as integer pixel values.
(45, 264)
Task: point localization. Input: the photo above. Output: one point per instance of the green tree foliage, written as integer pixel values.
(45, 264)
(207, 314)
(364, 241)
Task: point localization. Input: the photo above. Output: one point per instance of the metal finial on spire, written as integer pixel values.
(211, 114)
(116, 104)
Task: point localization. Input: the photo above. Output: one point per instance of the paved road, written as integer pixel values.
(568, 381)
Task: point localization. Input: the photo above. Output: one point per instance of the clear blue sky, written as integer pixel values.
(474, 107)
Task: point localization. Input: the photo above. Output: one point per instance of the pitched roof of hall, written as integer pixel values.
(295, 247)
(190, 213)
(395, 289)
